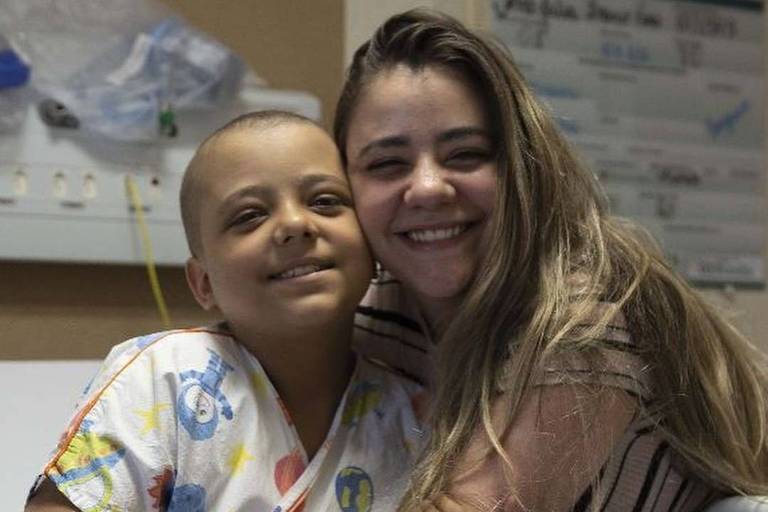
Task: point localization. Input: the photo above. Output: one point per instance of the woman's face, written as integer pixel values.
(422, 165)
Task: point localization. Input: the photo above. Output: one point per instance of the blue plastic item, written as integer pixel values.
(13, 71)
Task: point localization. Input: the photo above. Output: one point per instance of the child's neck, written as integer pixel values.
(310, 371)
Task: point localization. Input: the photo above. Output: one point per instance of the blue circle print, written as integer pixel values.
(187, 498)
(354, 490)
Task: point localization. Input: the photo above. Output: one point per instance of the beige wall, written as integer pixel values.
(361, 17)
(293, 44)
(60, 311)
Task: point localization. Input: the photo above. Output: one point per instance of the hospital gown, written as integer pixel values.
(188, 420)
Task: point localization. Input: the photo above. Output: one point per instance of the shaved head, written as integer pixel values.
(201, 164)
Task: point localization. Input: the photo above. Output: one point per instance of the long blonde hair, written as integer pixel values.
(708, 382)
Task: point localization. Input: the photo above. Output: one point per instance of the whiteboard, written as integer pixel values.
(664, 100)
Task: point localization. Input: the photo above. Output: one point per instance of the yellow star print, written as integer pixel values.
(151, 417)
(239, 457)
(258, 383)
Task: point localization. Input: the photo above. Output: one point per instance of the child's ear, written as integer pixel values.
(200, 283)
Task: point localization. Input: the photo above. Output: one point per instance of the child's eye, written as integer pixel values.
(249, 216)
(327, 202)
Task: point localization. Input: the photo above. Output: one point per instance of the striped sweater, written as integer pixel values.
(643, 474)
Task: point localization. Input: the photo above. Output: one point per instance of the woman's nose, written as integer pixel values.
(429, 186)
(294, 224)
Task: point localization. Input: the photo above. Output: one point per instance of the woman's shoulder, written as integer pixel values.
(597, 348)
(646, 472)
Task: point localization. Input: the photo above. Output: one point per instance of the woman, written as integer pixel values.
(575, 369)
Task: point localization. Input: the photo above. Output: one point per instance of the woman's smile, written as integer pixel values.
(423, 173)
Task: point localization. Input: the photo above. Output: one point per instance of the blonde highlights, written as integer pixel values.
(555, 254)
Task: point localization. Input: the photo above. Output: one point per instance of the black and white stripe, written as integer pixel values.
(643, 474)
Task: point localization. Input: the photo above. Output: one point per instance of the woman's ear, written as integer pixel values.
(200, 283)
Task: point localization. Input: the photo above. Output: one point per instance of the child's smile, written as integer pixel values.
(301, 268)
(282, 248)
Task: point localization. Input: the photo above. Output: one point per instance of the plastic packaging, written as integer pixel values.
(120, 67)
(14, 93)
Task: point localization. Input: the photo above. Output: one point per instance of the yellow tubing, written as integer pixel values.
(146, 242)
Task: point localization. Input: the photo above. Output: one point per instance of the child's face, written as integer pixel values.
(281, 244)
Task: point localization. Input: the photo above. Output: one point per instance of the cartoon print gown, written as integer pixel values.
(188, 421)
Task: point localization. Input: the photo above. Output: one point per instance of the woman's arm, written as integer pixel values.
(559, 440)
(49, 499)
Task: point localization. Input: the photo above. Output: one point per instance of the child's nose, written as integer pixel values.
(294, 224)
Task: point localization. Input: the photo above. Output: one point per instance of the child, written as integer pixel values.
(269, 411)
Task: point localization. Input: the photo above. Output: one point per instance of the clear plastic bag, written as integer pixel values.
(118, 65)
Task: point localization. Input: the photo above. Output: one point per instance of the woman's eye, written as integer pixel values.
(249, 216)
(385, 164)
(469, 157)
